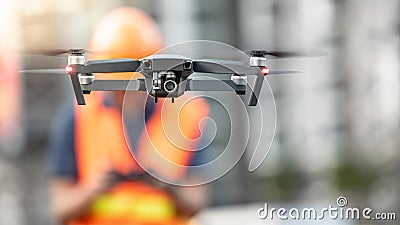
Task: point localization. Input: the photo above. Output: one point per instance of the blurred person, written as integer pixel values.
(90, 153)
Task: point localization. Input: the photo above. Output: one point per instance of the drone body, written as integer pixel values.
(165, 76)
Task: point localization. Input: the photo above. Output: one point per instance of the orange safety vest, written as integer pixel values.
(100, 144)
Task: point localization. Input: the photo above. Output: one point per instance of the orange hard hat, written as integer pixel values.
(125, 32)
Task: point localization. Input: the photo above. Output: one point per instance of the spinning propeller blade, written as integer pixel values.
(283, 72)
(44, 71)
(288, 54)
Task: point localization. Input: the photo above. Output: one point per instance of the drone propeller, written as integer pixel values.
(287, 54)
(56, 52)
(44, 71)
(60, 52)
(283, 72)
(96, 66)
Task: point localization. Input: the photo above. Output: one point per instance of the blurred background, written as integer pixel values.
(338, 125)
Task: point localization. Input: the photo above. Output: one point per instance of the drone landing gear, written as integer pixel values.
(77, 89)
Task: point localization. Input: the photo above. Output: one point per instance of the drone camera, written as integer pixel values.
(166, 75)
(187, 65)
(147, 65)
(170, 84)
(169, 81)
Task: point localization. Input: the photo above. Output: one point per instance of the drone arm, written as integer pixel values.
(255, 92)
(116, 85)
(223, 68)
(202, 66)
(213, 85)
(77, 89)
(107, 66)
(140, 85)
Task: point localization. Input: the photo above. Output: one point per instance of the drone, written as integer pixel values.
(167, 76)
